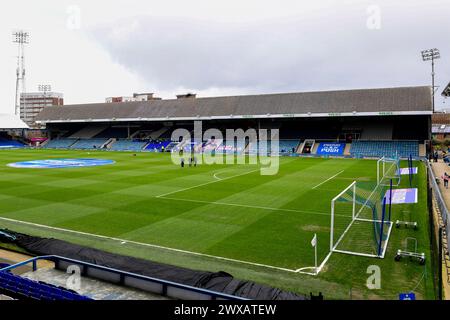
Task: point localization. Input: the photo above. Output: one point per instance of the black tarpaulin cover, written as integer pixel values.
(215, 281)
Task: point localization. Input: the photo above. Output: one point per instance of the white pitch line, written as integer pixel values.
(206, 183)
(151, 245)
(250, 206)
(328, 179)
(220, 171)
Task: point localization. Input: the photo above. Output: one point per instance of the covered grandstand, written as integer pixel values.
(11, 131)
(366, 122)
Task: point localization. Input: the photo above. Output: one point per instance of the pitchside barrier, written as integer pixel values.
(435, 192)
(438, 223)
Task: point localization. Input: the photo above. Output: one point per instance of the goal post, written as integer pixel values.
(360, 224)
(348, 193)
(388, 169)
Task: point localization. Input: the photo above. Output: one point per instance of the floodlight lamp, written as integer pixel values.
(430, 54)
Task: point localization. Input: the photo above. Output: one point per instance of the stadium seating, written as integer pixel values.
(285, 147)
(171, 146)
(259, 148)
(193, 146)
(6, 143)
(157, 145)
(119, 133)
(60, 143)
(231, 147)
(88, 144)
(17, 286)
(211, 145)
(128, 145)
(384, 148)
(288, 146)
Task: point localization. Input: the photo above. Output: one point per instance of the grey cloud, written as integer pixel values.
(331, 50)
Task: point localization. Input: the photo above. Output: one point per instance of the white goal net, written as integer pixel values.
(360, 222)
(388, 169)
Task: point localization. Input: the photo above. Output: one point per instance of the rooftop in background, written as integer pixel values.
(360, 102)
(32, 103)
(441, 118)
(135, 97)
(48, 94)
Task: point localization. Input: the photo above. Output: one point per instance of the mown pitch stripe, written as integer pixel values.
(316, 186)
(124, 241)
(204, 184)
(251, 207)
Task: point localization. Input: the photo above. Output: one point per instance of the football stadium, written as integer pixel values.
(174, 199)
(224, 159)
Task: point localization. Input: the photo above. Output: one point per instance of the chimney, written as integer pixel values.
(187, 95)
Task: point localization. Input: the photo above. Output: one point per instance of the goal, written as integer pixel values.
(388, 169)
(360, 220)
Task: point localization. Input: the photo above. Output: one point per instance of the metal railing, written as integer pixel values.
(154, 285)
(436, 193)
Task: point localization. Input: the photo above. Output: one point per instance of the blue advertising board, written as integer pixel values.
(407, 296)
(331, 149)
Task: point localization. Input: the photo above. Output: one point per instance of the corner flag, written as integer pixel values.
(314, 240)
(314, 244)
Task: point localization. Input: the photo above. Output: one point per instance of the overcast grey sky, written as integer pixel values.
(89, 50)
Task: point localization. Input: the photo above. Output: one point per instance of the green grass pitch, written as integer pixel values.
(213, 217)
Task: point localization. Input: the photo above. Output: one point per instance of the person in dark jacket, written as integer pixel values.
(445, 177)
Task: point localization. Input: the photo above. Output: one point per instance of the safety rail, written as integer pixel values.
(436, 192)
(154, 285)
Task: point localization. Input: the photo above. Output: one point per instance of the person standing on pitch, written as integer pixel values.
(181, 158)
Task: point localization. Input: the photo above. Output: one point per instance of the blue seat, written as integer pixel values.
(89, 144)
(6, 143)
(128, 145)
(157, 146)
(60, 143)
(31, 289)
(389, 149)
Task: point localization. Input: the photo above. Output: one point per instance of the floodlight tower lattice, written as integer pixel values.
(431, 55)
(21, 38)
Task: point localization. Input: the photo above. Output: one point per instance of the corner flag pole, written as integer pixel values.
(315, 255)
(314, 244)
